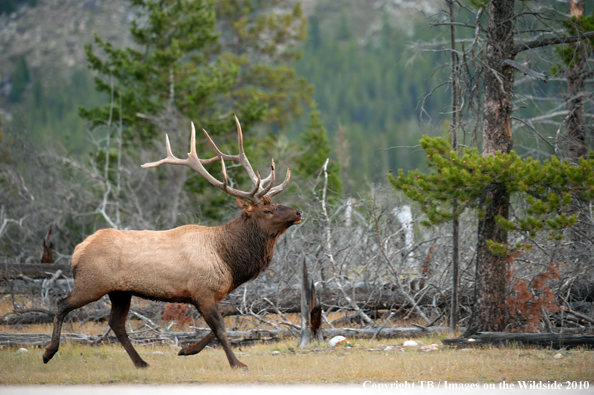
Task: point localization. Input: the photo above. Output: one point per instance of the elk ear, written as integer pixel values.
(244, 205)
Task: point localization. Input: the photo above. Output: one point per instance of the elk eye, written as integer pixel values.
(267, 212)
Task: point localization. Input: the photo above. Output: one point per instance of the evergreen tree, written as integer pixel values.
(20, 81)
(183, 63)
(316, 150)
(10, 6)
(546, 186)
(171, 67)
(343, 33)
(7, 6)
(314, 38)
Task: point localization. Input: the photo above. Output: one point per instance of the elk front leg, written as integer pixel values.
(213, 318)
(120, 305)
(76, 299)
(197, 347)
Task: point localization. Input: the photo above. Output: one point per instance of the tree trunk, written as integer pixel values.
(576, 131)
(490, 269)
(455, 222)
(306, 306)
(576, 137)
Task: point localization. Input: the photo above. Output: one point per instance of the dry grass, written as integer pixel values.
(76, 364)
(365, 360)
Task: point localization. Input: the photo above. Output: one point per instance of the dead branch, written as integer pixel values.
(550, 41)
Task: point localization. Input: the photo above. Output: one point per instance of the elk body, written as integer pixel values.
(191, 264)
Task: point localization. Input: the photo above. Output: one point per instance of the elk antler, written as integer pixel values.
(196, 164)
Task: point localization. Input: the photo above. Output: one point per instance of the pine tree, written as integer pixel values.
(20, 81)
(545, 186)
(171, 67)
(316, 150)
(182, 62)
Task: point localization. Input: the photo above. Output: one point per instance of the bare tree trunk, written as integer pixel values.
(306, 306)
(576, 132)
(490, 269)
(576, 135)
(455, 222)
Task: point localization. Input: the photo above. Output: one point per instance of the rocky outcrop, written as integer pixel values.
(51, 35)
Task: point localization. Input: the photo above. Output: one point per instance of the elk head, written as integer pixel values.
(274, 219)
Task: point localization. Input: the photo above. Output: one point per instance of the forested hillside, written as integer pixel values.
(366, 72)
(372, 84)
(370, 67)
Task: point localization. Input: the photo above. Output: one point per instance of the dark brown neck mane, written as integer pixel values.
(245, 248)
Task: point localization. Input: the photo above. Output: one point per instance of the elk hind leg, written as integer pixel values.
(73, 301)
(213, 318)
(197, 347)
(120, 306)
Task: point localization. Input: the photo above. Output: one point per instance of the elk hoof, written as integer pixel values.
(142, 365)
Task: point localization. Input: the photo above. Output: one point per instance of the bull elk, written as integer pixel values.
(190, 264)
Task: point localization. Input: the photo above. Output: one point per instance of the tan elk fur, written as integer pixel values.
(165, 265)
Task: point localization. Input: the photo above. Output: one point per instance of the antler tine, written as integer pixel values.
(256, 187)
(168, 147)
(241, 157)
(169, 159)
(272, 176)
(192, 152)
(225, 181)
(279, 188)
(213, 146)
(239, 136)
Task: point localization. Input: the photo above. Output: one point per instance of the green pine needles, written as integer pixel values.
(205, 59)
(171, 63)
(543, 190)
(573, 55)
(315, 138)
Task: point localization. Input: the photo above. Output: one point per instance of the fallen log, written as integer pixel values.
(387, 333)
(42, 339)
(182, 338)
(32, 270)
(553, 340)
(39, 316)
(28, 286)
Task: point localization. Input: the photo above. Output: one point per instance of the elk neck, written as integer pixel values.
(246, 248)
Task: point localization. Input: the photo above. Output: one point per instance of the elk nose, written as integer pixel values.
(299, 214)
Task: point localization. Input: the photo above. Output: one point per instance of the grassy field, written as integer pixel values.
(364, 360)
